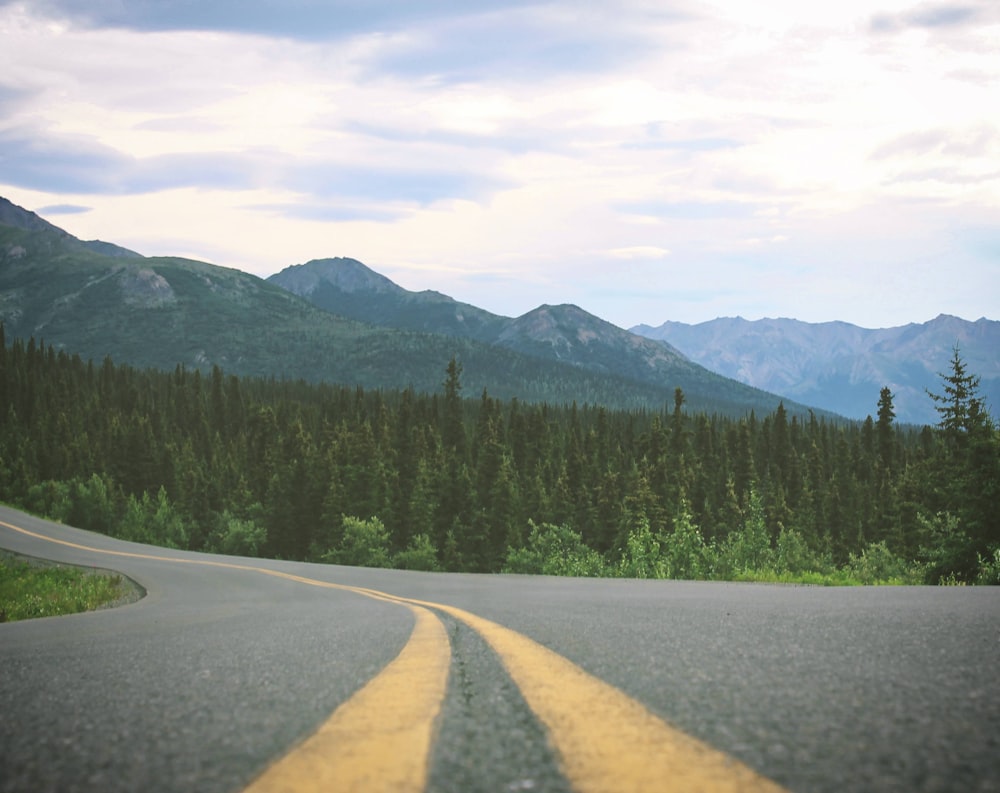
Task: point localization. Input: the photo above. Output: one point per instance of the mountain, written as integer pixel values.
(841, 367)
(163, 311)
(18, 217)
(560, 335)
(348, 288)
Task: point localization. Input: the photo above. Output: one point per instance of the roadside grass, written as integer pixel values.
(29, 589)
(813, 578)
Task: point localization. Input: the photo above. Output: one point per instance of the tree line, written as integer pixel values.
(289, 469)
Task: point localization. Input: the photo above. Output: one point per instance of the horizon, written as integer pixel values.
(684, 162)
(939, 316)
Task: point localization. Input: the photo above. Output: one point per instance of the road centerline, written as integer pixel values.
(605, 739)
(381, 738)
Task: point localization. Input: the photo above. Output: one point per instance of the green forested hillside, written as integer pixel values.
(161, 312)
(561, 337)
(313, 471)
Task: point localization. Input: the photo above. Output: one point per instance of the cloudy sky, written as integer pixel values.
(645, 159)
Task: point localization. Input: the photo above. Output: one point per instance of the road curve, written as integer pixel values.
(224, 673)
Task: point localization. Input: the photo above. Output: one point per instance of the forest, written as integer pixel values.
(449, 482)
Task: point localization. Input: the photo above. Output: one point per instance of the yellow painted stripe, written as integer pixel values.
(606, 741)
(380, 739)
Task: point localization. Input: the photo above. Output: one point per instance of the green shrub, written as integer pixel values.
(365, 543)
(554, 550)
(989, 569)
(236, 536)
(155, 522)
(876, 564)
(748, 549)
(420, 554)
(946, 549)
(684, 552)
(792, 554)
(95, 504)
(52, 499)
(643, 557)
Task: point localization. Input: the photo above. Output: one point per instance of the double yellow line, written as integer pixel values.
(381, 739)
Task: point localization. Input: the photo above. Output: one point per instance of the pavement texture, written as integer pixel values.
(218, 672)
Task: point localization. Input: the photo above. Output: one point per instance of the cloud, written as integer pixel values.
(300, 19)
(422, 186)
(532, 41)
(688, 145)
(76, 164)
(449, 41)
(690, 210)
(63, 164)
(930, 17)
(12, 98)
(519, 140)
(63, 209)
(639, 252)
(558, 151)
(949, 176)
(980, 141)
(324, 213)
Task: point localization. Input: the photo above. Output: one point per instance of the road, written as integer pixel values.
(236, 674)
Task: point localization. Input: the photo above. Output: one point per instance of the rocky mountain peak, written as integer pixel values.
(347, 275)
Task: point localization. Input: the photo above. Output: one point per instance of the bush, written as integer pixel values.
(152, 522)
(52, 499)
(554, 550)
(365, 543)
(643, 557)
(749, 549)
(878, 565)
(235, 536)
(420, 554)
(793, 554)
(989, 569)
(95, 504)
(684, 552)
(947, 551)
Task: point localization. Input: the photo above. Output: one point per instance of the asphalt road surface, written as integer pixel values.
(219, 672)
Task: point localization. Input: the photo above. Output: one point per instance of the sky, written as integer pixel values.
(646, 160)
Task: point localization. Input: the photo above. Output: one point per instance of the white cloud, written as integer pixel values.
(514, 157)
(639, 252)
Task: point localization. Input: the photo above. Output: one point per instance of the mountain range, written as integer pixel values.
(95, 299)
(841, 367)
(338, 321)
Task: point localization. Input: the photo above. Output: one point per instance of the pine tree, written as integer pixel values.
(453, 430)
(884, 429)
(959, 407)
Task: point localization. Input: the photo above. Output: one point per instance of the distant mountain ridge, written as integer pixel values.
(842, 367)
(339, 321)
(348, 288)
(563, 334)
(163, 312)
(18, 217)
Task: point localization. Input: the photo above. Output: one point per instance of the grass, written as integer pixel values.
(835, 578)
(32, 589)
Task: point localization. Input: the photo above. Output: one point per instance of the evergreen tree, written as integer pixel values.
(959, 407)
(884, 429)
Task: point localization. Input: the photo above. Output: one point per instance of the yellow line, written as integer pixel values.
(380, 739)
(606, 740)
